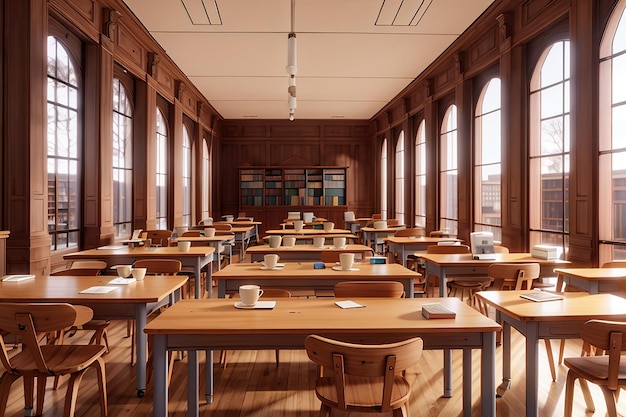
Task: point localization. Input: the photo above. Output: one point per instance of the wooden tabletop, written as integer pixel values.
(308, 248)
(594, 273)
(308, 232)
(67, 289)
(403, 240)
(141, 252)
(216, 238)
(467, 259)
(385, 229)
(293, 270)
(235, 229)
(295, 316)
(575, 306)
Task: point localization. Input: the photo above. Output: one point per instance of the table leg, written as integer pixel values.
(160, 396)
(140, 344)
(192, 384)
(447, 373)
(467, 383)
(488, 375)
(532, 369)
(208, 378)
(506, 357)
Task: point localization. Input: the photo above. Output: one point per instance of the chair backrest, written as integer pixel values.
(450, 249)
(388, 289)
(92, 264)
(614, 264)
(514, 276)
(377, 216)
(393, 222)
(609, 336)
(159, 237)
(83, 272)
(27, 320)
(222, 226)
(349, 216)
(191, 233)
(206, 222)
(159, 266)
(500, 249)
(410, 232)
(384, 361)
(329, 257)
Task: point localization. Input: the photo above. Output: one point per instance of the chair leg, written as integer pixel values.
(41, 394)
(587, 395)
(561, 351)
(6, 380)
(131, 325)
(29, 389)
(102, 386)
(277, 357)
(569, 393)
(609, 398)
(550, 358)
(223, 358)
(72, 392)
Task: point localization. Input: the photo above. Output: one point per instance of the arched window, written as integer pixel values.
(187, 185)
(64, 147)
(420, 175)
(400, 178)
(549, 147)
(122, 160)
(448, 172)
(162, 179)
(206, 180)
(487, 161)
(383, 180)
(612, 146)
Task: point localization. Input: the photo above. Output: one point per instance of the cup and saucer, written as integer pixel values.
(270, 262)
(274, 268)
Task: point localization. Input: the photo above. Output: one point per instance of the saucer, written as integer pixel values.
(338, 268)
(278, 266)
(259, 305)
(340, 247)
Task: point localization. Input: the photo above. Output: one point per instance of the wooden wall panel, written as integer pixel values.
(294, 153)
(129, 51)
(84, 14)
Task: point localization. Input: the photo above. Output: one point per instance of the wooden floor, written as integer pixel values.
(251, 385)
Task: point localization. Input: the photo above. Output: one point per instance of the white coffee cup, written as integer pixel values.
(275, 241)
(289, 241)
(328, 226)
(380, 224)
(184, 246)
(270, 260)
(139, 273)
(209, 231)
(346, 260)
(298, 225)
(250, 294)
(318, 242)
(339, 242)
(124, 270)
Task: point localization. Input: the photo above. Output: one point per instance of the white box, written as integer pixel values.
(544, 252)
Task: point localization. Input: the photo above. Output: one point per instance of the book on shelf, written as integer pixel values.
(437, 311)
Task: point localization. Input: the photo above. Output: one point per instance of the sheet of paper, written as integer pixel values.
(98, 289)
(17, 278)
(348, 304)
(122, 281)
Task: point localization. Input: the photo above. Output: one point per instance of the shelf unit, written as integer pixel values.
(306, 186)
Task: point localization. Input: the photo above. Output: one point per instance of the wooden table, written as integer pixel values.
(254, 233)
(127, 302)
(592, 280)
(216, 324)
(307, 232)
(194, 260)
(242, 236)
(308, 238)
(213, 241)
(305, 252)
(559, 319)
(458, 265)
(301, 275)
(371, 235)
(405, 246)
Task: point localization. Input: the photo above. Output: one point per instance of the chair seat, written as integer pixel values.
(362, 393)
(595, 368)
(63, 359)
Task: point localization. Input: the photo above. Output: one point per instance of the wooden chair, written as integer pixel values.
(39, 362)
(390, 289)
(90, 264)
(365, 378)
(410, 232)
(159, 237)
(607, 371)
(432, 281)
(267, 293)
(393, 222)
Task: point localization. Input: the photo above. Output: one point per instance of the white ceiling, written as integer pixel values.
(348, 66)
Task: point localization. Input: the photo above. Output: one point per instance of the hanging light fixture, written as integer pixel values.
(292, 65)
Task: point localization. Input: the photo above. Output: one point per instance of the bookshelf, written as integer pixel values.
(306, 186)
